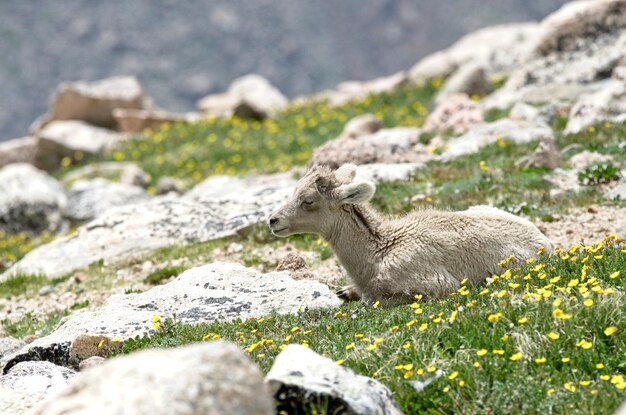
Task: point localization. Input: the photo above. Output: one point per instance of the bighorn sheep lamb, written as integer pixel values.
(426, 252)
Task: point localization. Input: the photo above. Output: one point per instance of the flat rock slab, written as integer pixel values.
(28, 383)
(300, 379)
(207, 378)
(215, 292)
(518, 132)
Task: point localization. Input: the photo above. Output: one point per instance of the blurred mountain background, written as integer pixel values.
(181, 51)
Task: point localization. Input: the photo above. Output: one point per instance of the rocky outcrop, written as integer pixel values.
(505, 129)
(577, 47)
(215, 292)
(9, 345)
(470, 79)
(456, 113)
(215, 378)
(38, 209)
(250, 96)
(138, 120)
(618, 192)
(73, 139)
(393, 145)
(125, 172)
(545, 156)
(94, 102)
(587, 158)
(29, 383)
(88, 199)
(18, 150)
(607, 104)
(498, 48)
(301, 379)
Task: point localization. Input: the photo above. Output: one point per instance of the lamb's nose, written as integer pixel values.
(273, 221)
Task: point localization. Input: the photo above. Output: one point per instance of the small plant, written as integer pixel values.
(156, 277)
(598, 173)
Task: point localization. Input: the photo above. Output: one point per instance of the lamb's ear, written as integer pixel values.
(354, 193)
(345, 174)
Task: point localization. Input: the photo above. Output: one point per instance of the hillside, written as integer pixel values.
(302, 47)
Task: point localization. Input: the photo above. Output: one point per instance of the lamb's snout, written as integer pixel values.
(273, 221)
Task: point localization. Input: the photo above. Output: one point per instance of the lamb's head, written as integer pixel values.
(317, 199)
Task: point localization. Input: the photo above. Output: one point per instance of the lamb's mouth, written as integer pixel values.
(278, 231)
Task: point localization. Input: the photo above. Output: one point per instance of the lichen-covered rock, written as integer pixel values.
(88, 199)
(29, 383)
(382, 172)
(456, 113)
(607, 104)
(485, 134)
(393, 145)
(94, 102)
(587, 158)
(208, 378)
(214, 292)
(9, 345)
(31, 200)
(577, 47)
(470, 79)
(250, 96)
(301, 379)
(17, 150)
(296, 266)
(134, 175)
(499, 48)
(73, 139)
(618, 192)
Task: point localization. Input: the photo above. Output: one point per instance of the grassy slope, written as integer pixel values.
(192, 152)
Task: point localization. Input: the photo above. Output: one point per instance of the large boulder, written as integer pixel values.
(213, 379)
(506, 129)
(393, 145)
(94, 102)
(499, 48)
(470, 79)
(18, 150)
(88, 199)
(250, 96)
(302, 379)
(31, 200)
(29, 383)
(218, 207)
(361, 125)
(73, 139)
(129, 120)
(577, 46)
(607, 104)
(215, 292)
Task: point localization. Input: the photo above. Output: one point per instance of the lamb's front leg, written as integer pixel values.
(349, 293)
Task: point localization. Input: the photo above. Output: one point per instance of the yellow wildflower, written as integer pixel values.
(610, 330)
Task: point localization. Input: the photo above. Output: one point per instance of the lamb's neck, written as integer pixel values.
(355, 239)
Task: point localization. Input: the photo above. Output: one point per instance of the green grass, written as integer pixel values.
(27, 285)
(38, 326)
(513, 315)
(157, 277)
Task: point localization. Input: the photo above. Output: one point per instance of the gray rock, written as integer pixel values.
(29, 383)
(18, 150)
(499, 48)
(73, 139)
(576, 47)
(133, 175)
(470, 79)
(9, 345)
(524, 112)
(94, 102)
(167, 184)
(139, 120)
(301, 379)
(90, 362)
(563, 181)
(618, 192)
(214, 292)
(46, 290)
(546, 155)
(250, 96)
(381, 172)
(506, 129)
(112, 170)
(362, 125)
(357, 90)
(208, 378)
(38, 209)
(607, 104)
(587, 158)
(88, 199)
